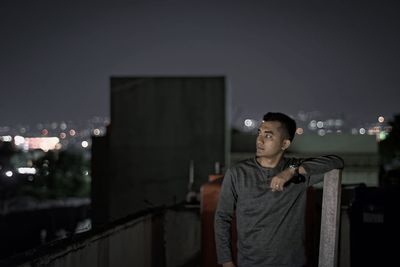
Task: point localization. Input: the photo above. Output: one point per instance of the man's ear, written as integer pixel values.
(285, 144)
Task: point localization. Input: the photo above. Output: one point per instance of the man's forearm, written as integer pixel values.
(223, 218)
(319, 165)
(223, 241)
(306, 167)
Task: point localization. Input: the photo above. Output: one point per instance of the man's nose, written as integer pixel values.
(259, 140)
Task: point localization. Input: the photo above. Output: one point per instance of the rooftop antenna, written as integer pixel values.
(191, 196)
(191, 175)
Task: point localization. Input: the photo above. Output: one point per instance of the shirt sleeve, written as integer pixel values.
(223, 218)
(316, 167)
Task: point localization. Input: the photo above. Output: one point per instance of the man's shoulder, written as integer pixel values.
(244, 164)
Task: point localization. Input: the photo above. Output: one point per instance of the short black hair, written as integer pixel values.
(288, 123)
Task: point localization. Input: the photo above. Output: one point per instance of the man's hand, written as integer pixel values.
(281, 178)
(228, 264)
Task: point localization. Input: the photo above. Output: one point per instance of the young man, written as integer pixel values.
(269, 198)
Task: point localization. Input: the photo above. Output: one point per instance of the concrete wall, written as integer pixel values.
(158, 125)
(168, 239)
(126, 245)
(183, 235)
(100, 183)
(333, 143)
(359, 152)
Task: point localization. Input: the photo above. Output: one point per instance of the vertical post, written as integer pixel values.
(330, 219)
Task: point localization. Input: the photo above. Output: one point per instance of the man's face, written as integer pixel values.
(270, 140)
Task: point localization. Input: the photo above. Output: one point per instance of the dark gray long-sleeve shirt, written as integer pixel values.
(270, 225)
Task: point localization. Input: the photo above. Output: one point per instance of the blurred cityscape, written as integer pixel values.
(45, 178)
(59, 135)
(54, 135)
(34, 158)
(316, 122)
(46, 160)
(46, 169)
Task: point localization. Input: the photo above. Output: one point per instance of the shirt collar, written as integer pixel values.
(278, 168)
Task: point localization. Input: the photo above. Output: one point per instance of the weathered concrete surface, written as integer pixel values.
(183, 236)
(169, 239)
(330, 220)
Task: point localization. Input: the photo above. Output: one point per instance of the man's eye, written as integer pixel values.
(268, 136)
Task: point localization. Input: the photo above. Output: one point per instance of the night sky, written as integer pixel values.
(337, 57)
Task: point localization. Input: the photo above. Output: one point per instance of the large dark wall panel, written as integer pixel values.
(158, 125)
(100, 194)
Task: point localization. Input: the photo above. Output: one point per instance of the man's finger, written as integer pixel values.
(275, 186)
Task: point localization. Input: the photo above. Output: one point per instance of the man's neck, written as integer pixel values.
(269, 162)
